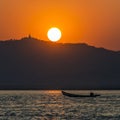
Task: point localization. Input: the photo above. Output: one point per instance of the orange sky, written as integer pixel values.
(96, 22)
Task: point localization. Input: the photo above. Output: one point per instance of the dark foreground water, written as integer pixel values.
(52, 105)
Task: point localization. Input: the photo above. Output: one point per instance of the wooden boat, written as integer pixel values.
(76, 95)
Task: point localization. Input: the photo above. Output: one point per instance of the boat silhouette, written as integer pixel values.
(76, 95)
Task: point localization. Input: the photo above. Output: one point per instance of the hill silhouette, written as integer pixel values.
(35, 64)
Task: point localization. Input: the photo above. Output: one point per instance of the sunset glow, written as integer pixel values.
(93, 22)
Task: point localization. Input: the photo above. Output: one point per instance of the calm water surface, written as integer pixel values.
(52, 105)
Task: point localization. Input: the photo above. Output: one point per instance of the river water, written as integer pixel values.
(52, 105)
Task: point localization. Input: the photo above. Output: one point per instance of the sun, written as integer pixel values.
(54, 34)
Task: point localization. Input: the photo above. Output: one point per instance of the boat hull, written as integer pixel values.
(75, 95)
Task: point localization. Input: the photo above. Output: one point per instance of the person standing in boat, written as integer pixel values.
(91, 94)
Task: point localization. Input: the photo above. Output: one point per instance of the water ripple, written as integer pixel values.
(44, 105)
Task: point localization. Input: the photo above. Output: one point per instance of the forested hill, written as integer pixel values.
(35, 64)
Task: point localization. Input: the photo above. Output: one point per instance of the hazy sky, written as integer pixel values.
(96, 22)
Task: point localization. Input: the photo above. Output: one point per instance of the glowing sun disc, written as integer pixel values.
(54, 34)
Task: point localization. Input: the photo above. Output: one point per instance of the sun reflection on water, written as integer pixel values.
(54, 91)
